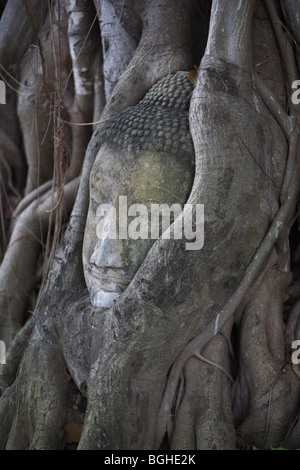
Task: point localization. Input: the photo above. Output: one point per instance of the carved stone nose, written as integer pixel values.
(108, 254)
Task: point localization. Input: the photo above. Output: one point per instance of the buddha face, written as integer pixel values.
(109, 262)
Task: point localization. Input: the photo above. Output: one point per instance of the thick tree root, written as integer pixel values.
(266, 389)
(14, 356)
(19, 264)
(7, 413)
(40, 406)
(204, 417)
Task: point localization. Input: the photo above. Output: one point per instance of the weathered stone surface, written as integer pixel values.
(147, 156)
(159, 122)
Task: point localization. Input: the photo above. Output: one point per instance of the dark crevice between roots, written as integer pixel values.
(76, 404)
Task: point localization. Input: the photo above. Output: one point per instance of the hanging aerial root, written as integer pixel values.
(214, 364)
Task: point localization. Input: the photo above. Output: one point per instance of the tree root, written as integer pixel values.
(265, 391)
(204, 418)
(7, 413)
(214, 364)
(19, 263)
(27, 200)
(288, 198)
(39, 410)
(83, 42)
(14, 356)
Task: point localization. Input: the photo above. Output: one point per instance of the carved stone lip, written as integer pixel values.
(110, 279)
(113, 274)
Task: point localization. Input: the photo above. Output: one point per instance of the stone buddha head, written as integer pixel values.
(146, 157)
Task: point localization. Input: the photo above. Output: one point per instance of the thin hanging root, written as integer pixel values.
(214, 364)
(269, 406)
(288, 198)
(170, 424)
(285, 122)
(285, 46)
